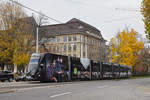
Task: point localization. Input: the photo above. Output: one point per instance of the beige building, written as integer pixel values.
(74, 38)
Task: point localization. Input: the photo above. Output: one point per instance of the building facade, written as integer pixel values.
(74, 38)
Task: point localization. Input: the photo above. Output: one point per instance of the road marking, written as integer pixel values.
(102, 86)
(53, 96)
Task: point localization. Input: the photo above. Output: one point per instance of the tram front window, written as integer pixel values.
(33, 65)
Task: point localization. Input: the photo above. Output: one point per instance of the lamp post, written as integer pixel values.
(37, 40)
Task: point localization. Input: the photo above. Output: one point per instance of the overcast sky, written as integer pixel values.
(109, 16)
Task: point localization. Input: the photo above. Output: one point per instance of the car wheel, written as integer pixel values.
(2, 80)
(10, 79)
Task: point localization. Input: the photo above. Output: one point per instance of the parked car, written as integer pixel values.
(6, 75)
(23, 78)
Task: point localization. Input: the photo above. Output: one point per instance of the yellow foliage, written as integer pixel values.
(21, 59)
(125, 47)
(145, 10)
(16, 37)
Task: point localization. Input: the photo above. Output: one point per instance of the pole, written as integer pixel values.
(90, 70)
(37, 42)
(69, 65)
(99, 70)
(109, 54)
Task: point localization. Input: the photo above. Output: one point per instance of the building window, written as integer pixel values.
(65, 48)
(83, 47)
(69, 47)
(83, 38)
(54, 49)
(59, 49)
(58, 39)
(69, 54)
(74, 47)
(49, 48)
(80, 27)
(99, 43)
(74, 38)
(74, 55)
(65, 38)
(84, 54)
(92, 41)
(70, 38)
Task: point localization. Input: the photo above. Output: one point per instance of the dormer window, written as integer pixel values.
(80, 27)
(87, 32)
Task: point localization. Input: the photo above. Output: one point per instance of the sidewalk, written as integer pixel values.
(2, 91)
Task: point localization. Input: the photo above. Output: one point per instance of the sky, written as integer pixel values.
(109, 16)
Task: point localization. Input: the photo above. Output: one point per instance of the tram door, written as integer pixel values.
(80, 69)
(95, 66)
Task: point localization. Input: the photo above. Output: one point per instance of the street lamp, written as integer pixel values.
(37, 40)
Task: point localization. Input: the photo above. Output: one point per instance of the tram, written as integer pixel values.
(48, 67)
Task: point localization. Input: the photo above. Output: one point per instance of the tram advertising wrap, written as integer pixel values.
(50, 67)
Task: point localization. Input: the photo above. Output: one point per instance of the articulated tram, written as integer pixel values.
(49, 67)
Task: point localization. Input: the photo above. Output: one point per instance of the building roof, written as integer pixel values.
(72, 26)
(74, 20)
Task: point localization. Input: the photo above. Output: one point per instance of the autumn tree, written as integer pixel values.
(15, 36)
(112, 55)
(6, 45)
(125, 48)
(145, 10)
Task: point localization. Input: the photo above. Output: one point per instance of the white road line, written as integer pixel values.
(53, 96)
(102, 86)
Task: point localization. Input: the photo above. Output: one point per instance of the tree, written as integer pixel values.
(9, 14)
(145, 10)
(125, 48)
(6, 45)
(16, 36)
(113, 50)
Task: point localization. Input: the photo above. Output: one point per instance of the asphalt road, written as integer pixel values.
(128, 89)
